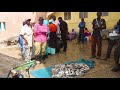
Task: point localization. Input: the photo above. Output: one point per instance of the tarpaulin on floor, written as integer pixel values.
(46, 72)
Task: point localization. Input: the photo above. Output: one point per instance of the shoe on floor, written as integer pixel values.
(42, 61)
(38, 62)
(116, 68)
(106, 58)
(62, 52)
(98, 57)
(33, 58)
(93, 56)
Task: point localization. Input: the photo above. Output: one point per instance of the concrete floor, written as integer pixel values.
(102, 68)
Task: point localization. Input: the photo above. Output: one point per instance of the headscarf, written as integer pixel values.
(51, 21)
(46, 22)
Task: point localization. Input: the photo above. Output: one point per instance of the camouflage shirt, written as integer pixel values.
(101, 24)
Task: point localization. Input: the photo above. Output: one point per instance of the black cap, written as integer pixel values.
(40, 18)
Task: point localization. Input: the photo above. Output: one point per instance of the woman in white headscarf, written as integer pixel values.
(27, 33)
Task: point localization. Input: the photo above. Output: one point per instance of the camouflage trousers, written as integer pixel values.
(26, 53)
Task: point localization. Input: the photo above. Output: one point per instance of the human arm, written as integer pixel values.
(44, 29)
(36, 30)
(103, 26)
(100, 26)
(22, 33)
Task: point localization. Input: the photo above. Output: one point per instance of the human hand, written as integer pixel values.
(96, 27)
(26, 42)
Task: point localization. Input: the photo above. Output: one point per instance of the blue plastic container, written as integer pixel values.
(50, 50)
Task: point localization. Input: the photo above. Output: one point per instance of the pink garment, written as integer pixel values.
(72, 35)
(40, 33)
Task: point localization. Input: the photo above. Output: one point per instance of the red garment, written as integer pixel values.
(52, 28)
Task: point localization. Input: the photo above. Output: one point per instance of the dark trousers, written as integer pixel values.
(111, 43)
(117, 55)
(64, 39)
(117, 58)
(96, 41)
(81, 37)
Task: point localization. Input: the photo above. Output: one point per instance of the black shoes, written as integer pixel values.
(37, 58)
(64, 50)
(116, 68)
(93, 56)
(106, 58)
(40, 59)
(98, 57)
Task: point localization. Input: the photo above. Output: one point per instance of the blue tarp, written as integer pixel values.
(46, 72)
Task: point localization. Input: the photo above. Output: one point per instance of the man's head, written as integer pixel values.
(72, 30)
(53, 17)
(60, 19)
(118, 23)
(40, 20)
(27, 21)
(119, 20)
(82, 19)
(99, 14)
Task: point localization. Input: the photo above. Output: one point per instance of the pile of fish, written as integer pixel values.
(69, 70)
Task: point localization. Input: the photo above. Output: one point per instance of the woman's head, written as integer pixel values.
(24, 23)
(53, 17)
(28, 21)
(40, 20)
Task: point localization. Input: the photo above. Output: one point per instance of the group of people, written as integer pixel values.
(43, 37)
(72, 35)
(83, 32)
(112, 41)
(98, 25)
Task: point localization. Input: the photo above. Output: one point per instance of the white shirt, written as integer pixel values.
(28, 33)
(113, 34)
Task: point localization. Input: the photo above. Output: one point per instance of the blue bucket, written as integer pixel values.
(50, 50)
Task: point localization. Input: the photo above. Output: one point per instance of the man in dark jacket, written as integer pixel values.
(98, 25)
(64, 31)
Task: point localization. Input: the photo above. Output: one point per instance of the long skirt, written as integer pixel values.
(52, 43)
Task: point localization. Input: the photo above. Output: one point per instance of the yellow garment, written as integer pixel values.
(40, 47)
